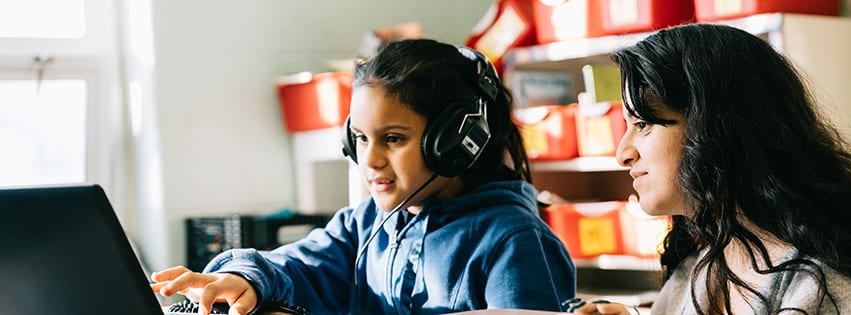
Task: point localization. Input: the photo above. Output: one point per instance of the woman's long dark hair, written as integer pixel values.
(429, 76)
(755, 148)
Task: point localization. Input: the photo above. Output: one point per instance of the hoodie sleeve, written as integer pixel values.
(530, 270)
(309, 272)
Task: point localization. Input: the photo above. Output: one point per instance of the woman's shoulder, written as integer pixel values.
(804, 288)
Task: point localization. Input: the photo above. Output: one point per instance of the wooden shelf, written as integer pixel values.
(585, 47)
(810, 42)
(581, 164)
(619, 262)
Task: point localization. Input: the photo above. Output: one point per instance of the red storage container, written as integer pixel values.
(557, 20)
(549, 132)
(632, 16)
(642, 234)
(599, 128)
(588, 229)
(607, 228)
(711, 10)
(506, 24)
(315, 101)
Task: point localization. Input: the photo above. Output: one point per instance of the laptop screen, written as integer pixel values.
(63, 251)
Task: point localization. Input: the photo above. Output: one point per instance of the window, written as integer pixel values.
(55, 56)
(43, 128)
(32, 19)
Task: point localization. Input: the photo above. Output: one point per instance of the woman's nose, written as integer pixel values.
(626, 153)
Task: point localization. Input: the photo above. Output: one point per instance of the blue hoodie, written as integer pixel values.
(486, 248)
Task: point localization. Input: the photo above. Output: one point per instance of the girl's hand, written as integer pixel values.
(207, 289)
(599, 307)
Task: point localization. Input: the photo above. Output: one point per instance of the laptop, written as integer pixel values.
(63, 251)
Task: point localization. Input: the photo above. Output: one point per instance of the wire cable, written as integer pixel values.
(372, 236)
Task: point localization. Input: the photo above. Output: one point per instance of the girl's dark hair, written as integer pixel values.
(429, 76)
(755, 148)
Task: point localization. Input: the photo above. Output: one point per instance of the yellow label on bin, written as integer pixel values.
(502, 34)
(623, 12)
(727, 7)
(535, 139)
(597, 236)
(597, 138)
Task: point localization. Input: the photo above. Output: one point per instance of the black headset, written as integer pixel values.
(454, 140)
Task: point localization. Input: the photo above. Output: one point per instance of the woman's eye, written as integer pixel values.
(641, 125)
(393, 139)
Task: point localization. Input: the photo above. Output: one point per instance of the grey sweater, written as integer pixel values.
(797, 290)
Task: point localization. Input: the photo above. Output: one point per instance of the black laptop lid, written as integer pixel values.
(62, 251)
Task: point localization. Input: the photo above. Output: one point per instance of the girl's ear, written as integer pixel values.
(348, 141)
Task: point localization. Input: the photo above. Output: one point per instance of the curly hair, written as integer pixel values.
(757, 153)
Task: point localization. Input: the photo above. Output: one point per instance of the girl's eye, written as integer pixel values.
(360, 138)
(641, 125)
(393, 139)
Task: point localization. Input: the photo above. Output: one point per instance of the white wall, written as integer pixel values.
(213, 141)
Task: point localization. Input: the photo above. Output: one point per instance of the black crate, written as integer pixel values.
(208, 236)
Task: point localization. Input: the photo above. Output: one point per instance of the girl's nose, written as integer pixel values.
(373, 156)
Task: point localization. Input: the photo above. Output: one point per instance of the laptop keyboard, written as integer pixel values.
(191, 307)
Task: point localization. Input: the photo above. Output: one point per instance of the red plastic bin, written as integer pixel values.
(549, 132)
(633, 16)
(642, 234)
(314, 101)
(599, 128)
(557, 20)
(591, 229)
(507, 24)
(712, 10)
(588, 229)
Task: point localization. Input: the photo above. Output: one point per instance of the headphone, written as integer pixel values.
(455, 138)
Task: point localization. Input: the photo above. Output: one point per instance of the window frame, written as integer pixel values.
(93, 58)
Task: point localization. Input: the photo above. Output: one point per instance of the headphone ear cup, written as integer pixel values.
(454, 140)
(348, 140)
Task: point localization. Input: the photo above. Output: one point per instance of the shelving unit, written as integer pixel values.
(582, 164)
(820, 55)
(817, 46)
(618, 262)
(319, 165)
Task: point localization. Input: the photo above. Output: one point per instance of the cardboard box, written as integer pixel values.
(540, 88)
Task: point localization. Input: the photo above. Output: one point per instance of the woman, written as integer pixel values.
(723, 135)
(451, 223)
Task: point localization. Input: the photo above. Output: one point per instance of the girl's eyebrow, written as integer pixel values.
(394, 127)
(387, 128)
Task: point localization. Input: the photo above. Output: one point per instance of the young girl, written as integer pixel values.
(451, 223)
(723, 136)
